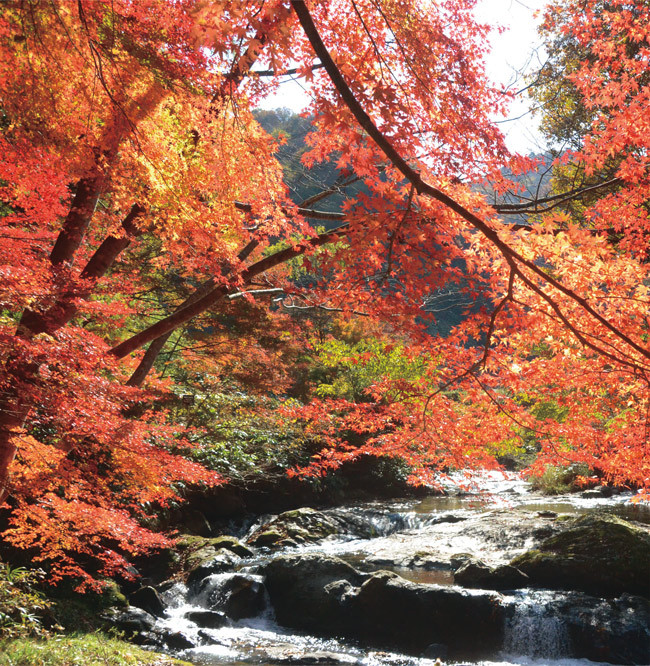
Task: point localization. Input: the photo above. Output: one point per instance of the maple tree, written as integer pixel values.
(139, 194)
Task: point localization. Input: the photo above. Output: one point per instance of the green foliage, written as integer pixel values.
(22, 606)
(291, 129)
(82, 650)
(559, 480)
(349, 369)
(542, 410)
(302, 267)
(75, 611)
(240, 434)
(565, 118)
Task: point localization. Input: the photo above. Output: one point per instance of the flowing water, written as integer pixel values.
(417, 539)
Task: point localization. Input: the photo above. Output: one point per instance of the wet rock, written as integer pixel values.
(436, 651)
(134, 620)
(541, 533)
(223, 560)
(232, 544)
(208, 619)
(457, 560)
(598, 491)
(237, 595)
(309, 591)
(148, 638)
(205, 638)
(601, 555)
(477, 574)
(267, 538)
(506, 577)
(616, 631)
(149, 600)
(543, 624)
(326, 595)
(202, 557)
(427, 561)
(175, 640)
(195, 550)
(390, 610)
(472, 572)
(300, 526)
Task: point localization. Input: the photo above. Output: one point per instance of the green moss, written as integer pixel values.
(267, 538)
(112, 596)
(199, 557)
(189, 542)
(232, 544)
(84, 650)
(598, 554)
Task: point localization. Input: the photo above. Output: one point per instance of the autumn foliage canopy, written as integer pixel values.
(139, 195)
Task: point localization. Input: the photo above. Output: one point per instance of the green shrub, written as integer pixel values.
(560, 480)
(22, 606)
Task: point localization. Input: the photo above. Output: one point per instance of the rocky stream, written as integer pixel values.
(490, 575)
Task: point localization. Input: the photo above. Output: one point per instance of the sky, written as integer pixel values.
(516, 50)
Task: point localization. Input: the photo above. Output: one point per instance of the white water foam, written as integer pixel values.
(535, 629)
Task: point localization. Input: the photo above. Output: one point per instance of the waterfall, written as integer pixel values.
(535, 628)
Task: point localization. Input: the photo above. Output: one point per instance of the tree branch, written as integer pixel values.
(556, 200)
(426, 189)
(187, 312)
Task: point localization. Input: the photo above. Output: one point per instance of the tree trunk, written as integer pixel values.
(15, 402)
(14, 408)
(156, 346)
(65, 307)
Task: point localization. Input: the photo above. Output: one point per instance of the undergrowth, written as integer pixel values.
(82, 650)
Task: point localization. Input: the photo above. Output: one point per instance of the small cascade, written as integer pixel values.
(373, 523)
(238, 595)
(535, 629)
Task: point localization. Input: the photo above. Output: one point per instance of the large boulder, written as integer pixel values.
(217, 562)
(208, 619)
(201, 556)
(295, 527)
(542, 624)
(614, 630)
(134, 620)
(148, 599)
(390, 610)
(244, 597)
(601, 555)
(308, 591)
(325, 595)
(237, 595)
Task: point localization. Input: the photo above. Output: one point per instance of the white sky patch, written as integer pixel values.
(515, 53)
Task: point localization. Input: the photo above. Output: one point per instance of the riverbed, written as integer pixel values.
(494, 519)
